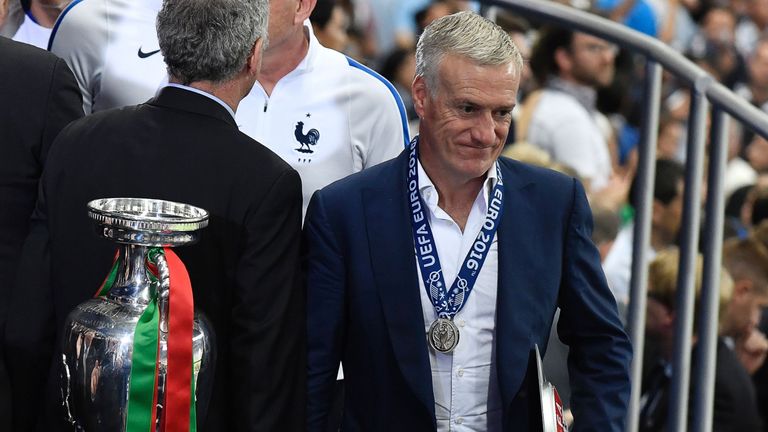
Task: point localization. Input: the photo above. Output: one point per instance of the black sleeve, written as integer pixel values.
(30, 329)
(64, 105)
(268, 354)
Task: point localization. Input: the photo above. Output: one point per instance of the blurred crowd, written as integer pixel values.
(579, 112)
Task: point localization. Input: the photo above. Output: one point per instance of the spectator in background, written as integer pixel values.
(718, 25)
(757, 153)
(399, 68)
(520, 32)
(713, 48)
(755, 90)
(665, 223)
(760, 377)
(718, 34)
(735, 406)
(330, 23)
(571, 66)
(747, 262)
(431, 12)
(753, 27)
(605, 231)
(740, 210)
(670, 138)
(738, 172)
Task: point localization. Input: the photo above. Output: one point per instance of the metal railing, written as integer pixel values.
(705, 91)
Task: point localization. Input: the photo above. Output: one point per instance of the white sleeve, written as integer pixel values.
(568, 137)
(80, 38)
(378, 122)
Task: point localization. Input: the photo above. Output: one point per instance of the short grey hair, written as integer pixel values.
(209, 40)
(468, 35)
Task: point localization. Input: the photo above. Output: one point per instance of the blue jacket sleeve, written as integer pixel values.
(325, 270)
(600, 351)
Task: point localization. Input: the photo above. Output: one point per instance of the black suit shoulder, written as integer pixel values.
(231, 152)
(24, 61)
(735, 407)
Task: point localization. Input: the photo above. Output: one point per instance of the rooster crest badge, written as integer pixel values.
(306, 140)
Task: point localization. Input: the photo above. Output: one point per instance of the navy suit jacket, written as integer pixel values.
(364, 305)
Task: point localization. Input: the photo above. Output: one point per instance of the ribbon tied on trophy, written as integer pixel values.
(131, 356)
(178, 407)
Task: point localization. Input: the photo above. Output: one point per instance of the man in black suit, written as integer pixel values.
(38, 97)
(735, 406)
(183, 145)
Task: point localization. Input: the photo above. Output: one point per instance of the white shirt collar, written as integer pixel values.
(206, 94)
(307, 63)
(431, 196)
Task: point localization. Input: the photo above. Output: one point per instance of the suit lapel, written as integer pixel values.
(515, 293)
(394, 271)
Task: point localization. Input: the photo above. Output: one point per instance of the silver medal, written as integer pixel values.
(443, 335)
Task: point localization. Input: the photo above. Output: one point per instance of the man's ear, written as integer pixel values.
(419, 91)
(253, 64)
(304, 10)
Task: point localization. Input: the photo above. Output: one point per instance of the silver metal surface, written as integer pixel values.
(638, 284)
(443, 335)
(98, 334)
(551, 407)
(689, 240)
(147, 222)
(704, 395)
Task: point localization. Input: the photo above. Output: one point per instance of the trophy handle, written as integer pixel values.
(157, 257)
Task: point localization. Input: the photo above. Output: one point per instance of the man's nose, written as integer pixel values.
(484, 130)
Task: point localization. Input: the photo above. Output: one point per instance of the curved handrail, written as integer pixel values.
(670, 59)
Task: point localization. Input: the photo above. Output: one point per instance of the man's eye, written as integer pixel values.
(504, 113)
(467, 109)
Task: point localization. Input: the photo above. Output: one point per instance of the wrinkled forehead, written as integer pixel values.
(456, 72)
(455, 67)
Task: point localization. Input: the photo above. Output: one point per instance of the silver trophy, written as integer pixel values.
(98, 334)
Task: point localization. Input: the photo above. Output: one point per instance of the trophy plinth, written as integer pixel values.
(99, 334)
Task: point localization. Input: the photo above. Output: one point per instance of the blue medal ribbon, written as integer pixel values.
(448, 302)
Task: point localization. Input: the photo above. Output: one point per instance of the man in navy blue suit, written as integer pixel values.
(432, 276)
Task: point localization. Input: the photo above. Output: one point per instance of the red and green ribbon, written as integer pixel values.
(179, 414)
(179, 406)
